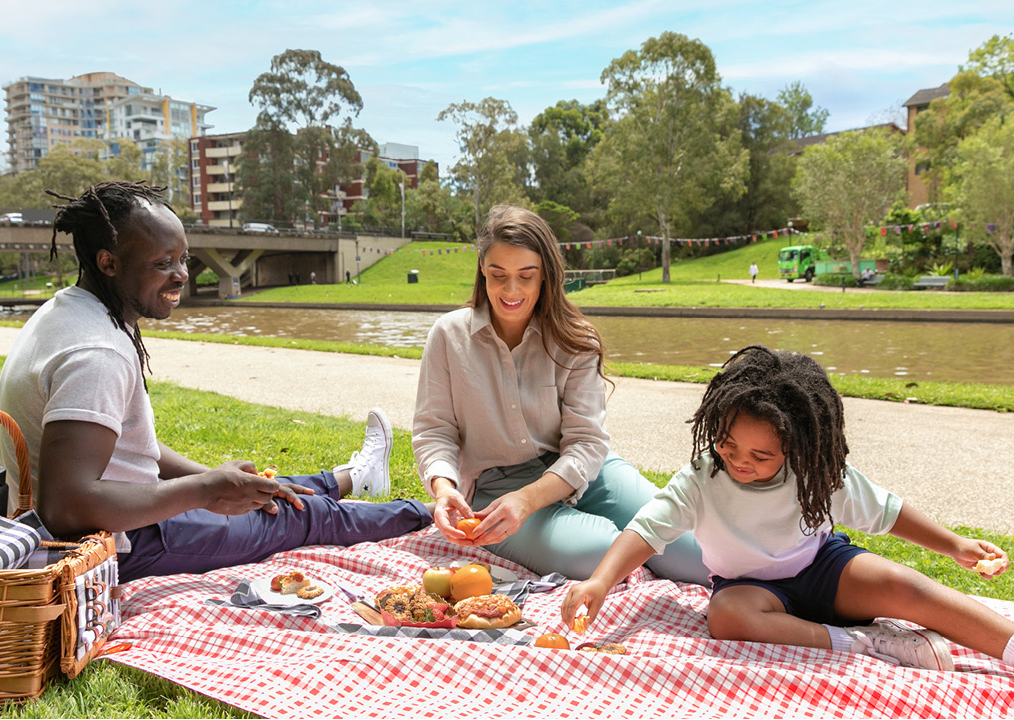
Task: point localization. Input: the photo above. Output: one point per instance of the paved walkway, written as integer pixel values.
(951, 463)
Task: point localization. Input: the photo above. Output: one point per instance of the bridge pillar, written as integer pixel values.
(229, 272)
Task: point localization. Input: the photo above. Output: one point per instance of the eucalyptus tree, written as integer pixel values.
(672, 145)
(317, 99)
(492, 166)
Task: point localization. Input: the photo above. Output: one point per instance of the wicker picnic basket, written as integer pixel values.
(54, 619)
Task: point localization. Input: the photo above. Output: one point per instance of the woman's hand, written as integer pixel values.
(449, 508)
(502, 518)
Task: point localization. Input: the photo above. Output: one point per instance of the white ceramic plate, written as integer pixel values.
(499, 574)
(263, 588)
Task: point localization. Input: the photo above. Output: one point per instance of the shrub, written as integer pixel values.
(836, 280)
(985, 283)
(893, 281)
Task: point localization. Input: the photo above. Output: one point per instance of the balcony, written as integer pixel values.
(223, 152)
(224, 205)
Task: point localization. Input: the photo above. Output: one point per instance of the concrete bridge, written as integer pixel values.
(244, 259)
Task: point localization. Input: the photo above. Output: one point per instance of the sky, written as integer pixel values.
(860, 60)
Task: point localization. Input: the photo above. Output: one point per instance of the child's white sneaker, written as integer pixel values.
(369, 467)
(892, 642)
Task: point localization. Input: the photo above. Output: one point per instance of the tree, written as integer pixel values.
(767, 202)
(561, 137)
(492, 164)
(995, 58)
(983, 188)
(266, 176)
(433, 208)
(382, 207)
(317, 99)
(674, 146)
(849, 182)
(804, 118)
(971, 102)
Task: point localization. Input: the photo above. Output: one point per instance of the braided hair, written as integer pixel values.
(792, 392)
(95, 220)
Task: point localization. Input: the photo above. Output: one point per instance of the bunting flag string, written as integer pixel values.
(657, 240)
(706, 242)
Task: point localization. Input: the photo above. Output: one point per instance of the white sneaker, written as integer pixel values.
(892, 642)
(369, 466)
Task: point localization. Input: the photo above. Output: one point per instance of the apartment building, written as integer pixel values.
(44, 112)
(919, 190)
(148, 120)
(213, 165)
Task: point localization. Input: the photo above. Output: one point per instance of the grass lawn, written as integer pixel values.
(212, 428)
(446, 279)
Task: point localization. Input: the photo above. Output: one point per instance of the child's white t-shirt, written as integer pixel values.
(755, 530)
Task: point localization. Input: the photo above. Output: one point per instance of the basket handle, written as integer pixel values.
(25, 502)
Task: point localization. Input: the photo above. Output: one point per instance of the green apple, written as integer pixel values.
(437, 580)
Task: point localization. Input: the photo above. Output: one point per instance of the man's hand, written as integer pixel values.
(235, 488)
(290, 492)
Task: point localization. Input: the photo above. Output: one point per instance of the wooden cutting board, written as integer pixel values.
(367, 613)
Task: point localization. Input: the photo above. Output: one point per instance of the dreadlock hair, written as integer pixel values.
(792, 392)
(561, 319)
(95, 220)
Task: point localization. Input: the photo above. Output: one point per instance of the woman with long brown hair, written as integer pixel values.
(510, 417)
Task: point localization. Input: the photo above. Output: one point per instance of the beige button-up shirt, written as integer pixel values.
(481, 405)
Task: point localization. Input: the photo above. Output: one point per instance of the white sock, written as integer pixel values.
(841, 640)
(1008, 652)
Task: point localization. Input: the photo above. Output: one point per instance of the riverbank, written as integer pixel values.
(815, 313)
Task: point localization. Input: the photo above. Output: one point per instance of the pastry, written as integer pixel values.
(487, 611)
(289, 583)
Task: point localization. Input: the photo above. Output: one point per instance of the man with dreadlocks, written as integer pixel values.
(767, 482)
(74, 383)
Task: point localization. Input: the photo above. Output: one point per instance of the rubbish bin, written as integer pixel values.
(413, 276)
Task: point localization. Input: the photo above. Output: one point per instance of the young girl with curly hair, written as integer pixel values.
(767, 483)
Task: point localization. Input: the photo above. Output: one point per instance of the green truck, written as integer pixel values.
(806, 261)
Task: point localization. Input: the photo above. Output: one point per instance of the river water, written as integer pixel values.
(952, 352)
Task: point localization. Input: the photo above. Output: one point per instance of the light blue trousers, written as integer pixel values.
(572, 540)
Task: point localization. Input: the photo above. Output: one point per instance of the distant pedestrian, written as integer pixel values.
(753, 272)
(313, 277)
(348, 276)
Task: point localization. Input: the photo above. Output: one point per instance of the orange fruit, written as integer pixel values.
(470, 581)
(468, 526)
(552, 640)
(580, 624)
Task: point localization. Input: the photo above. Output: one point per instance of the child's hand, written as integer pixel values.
(590, 593)
(984, 558)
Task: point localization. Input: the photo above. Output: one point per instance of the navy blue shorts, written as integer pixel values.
(810, 594)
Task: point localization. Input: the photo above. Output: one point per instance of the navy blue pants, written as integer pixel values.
(200, 540)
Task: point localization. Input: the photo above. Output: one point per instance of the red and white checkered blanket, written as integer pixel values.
(282, 666)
